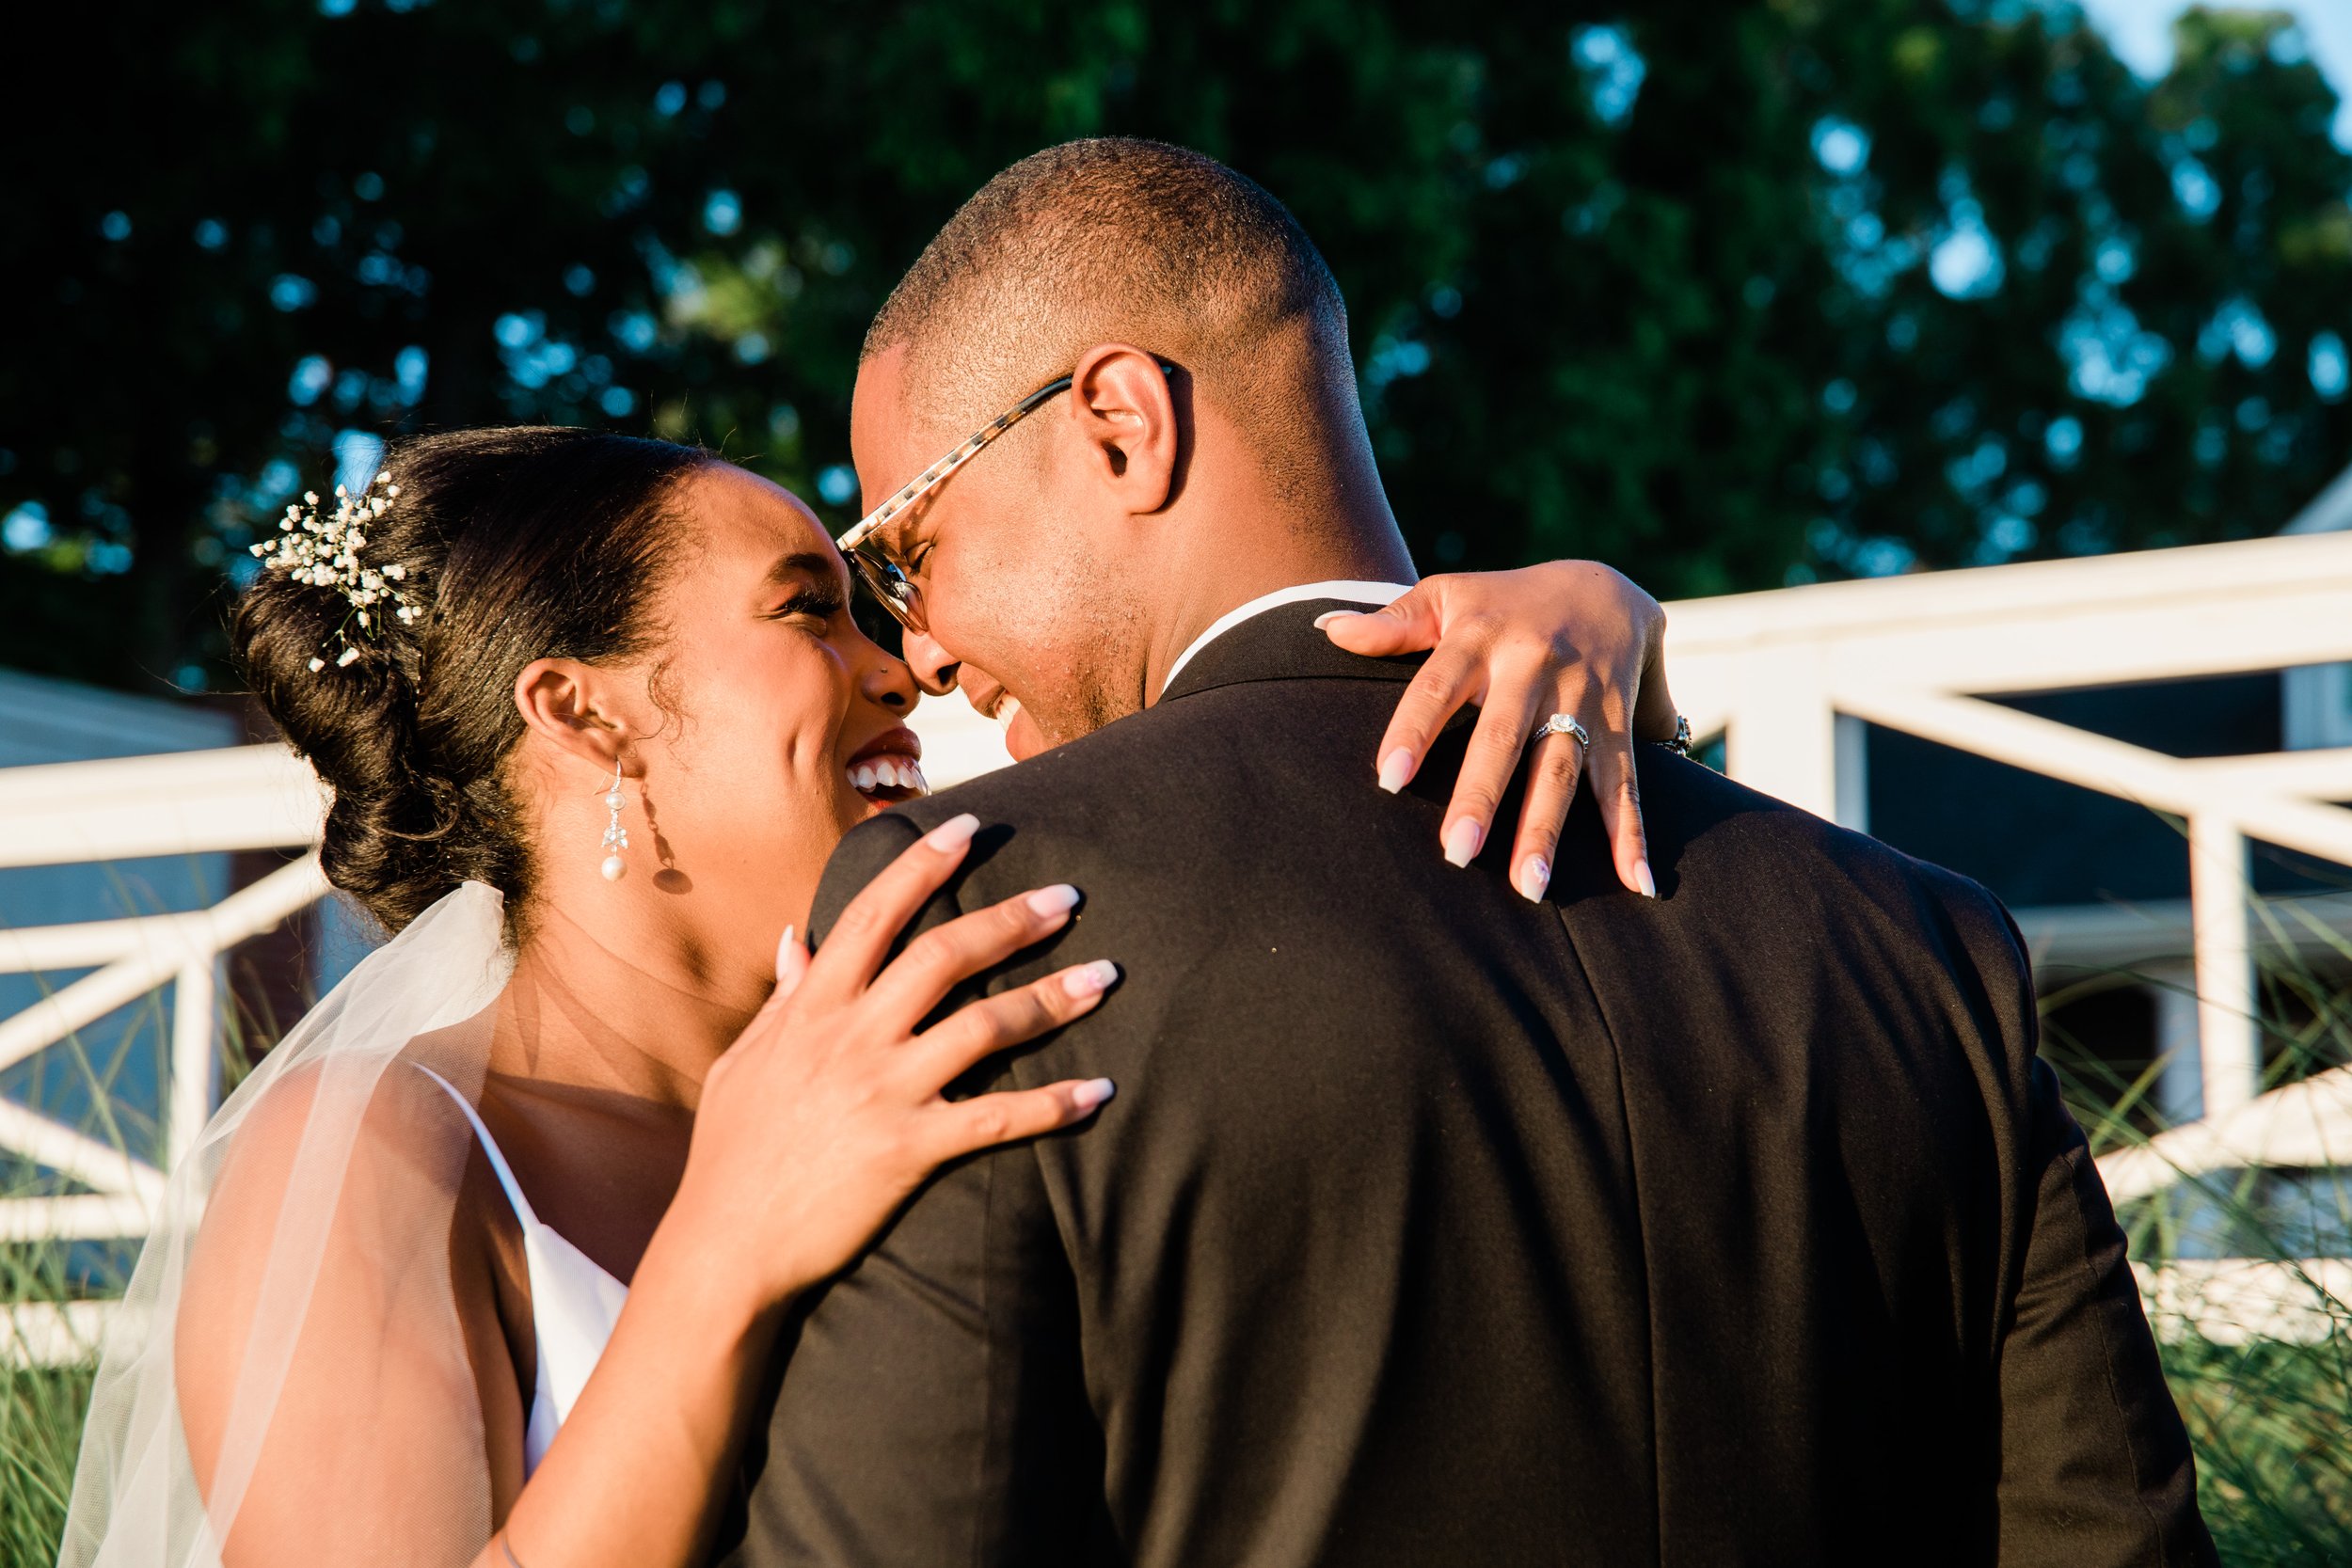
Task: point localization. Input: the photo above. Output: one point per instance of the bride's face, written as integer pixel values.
(776, 724)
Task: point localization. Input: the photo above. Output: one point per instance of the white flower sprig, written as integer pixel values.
(324, 553)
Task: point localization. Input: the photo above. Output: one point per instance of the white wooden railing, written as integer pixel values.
(1787, 677)
(185, 803)
(1790, 677)
(1776, 671)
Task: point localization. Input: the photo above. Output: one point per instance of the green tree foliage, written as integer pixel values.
(1730, 294)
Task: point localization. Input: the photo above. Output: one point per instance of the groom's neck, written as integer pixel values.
(1260, 538)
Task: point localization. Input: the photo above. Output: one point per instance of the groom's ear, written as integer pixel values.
(1125, 408)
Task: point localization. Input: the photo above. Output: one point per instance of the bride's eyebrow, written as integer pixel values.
(809, 563)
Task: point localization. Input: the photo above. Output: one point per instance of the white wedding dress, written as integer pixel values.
(574, 1303)
(302, 1279)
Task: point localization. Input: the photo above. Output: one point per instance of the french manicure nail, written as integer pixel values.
(1089, 979)
(1050, 901)
(1091, 1094)
(1396, 770)
(783, 946)
(1462, 841)
(1534, 877)
(1331, 615)
(1643, 880)
(954, 834)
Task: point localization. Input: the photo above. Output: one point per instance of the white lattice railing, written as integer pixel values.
(1787, 677)
(1775, 672)
(188, 803)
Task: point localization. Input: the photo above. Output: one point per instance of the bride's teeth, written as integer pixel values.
(887, 773)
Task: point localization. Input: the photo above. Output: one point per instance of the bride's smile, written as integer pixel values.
(888, 768)
(764, 727)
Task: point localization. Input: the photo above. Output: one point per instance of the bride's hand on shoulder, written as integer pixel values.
(1571, 637)
(827, 1112)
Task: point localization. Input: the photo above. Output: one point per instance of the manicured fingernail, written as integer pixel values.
(783, 946)
(954, 834)
(1331, 615)
(1396, 770)
(1462, 841)
(1534, 877)
(1091, 1094)
(1089, 979)
(1050, 901)
(1643, 880)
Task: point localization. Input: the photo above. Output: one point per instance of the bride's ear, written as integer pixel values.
(574, 707)
(1126, 409)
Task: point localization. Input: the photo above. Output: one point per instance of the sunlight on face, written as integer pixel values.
(776, 707)
(1011, 575)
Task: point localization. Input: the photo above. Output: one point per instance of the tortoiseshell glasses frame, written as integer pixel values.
(881, 573)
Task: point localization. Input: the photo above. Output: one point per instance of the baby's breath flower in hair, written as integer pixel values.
(323, 552)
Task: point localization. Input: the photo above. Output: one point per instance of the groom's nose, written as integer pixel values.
(934, 668)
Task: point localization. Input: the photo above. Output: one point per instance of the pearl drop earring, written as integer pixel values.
(615, 836)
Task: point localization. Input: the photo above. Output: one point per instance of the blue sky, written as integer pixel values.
(2141, 33)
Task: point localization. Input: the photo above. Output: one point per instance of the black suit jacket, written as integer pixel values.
(1431, 1226)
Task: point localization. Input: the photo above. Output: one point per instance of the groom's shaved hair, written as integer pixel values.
(1118, 240)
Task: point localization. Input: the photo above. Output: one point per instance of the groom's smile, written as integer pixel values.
(987, 694)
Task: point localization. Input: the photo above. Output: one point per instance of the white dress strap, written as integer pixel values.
(574, 1301)
(489, 1146)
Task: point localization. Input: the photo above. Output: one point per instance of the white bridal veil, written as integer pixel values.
(288, 1380)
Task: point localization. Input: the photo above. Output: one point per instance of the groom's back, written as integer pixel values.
(1434, 1225)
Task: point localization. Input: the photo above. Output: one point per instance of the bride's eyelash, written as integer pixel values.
(810, 601)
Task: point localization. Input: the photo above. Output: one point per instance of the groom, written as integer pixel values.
(1431, 1226)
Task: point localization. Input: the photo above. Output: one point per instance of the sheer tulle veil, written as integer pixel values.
(305, 1229)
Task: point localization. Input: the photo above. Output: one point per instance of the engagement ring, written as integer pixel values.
(1565, 723)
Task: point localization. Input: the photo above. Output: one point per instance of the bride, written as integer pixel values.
(484, 1263)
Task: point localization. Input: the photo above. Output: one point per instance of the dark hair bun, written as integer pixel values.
(518, 544)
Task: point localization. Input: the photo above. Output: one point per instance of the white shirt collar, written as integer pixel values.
(1379, 594)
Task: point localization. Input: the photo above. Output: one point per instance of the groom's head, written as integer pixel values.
(1209, 447)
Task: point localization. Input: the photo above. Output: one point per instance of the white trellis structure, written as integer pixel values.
(1787, 677)
(1790, 678)
(184, 803)
(1775, 672)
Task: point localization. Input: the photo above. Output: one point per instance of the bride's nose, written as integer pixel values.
(886, 682)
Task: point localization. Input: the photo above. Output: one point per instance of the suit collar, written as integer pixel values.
(1351, 592)
(1279, 645)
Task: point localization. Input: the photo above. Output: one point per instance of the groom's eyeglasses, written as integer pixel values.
(874, 565)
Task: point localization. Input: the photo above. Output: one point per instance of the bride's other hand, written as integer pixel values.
(828, 1111)
(1570, 637)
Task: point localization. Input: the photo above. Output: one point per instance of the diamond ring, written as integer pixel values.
(1565, 723)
